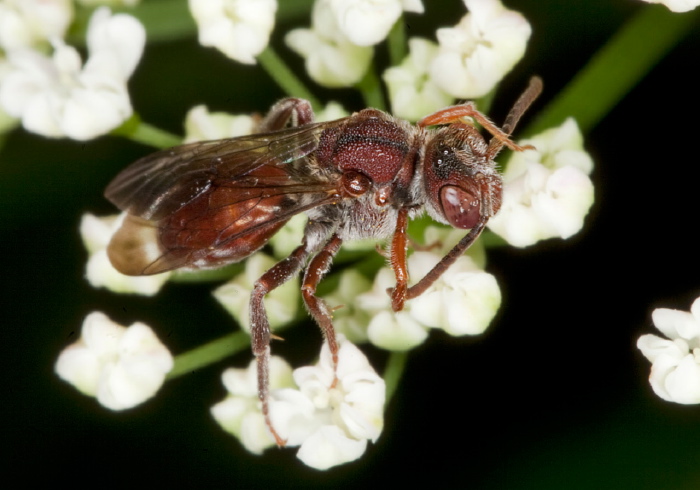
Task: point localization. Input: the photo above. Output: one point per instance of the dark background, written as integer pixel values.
(555, 395)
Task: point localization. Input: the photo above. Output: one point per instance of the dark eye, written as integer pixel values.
(460, 207)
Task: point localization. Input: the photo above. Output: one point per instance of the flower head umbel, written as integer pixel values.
(238, 28)
(480, 50)
(367, 22)
(96, 234)
(122, 367)
(675, 360)
(331, 58)
(59, 96)
(547, 191)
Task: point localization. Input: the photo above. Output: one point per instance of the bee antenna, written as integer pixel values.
(533, 90)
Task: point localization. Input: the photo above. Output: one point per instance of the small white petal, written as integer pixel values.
(682, 385)
(677, 5)
(202, 125)
(366, 22)
(328, 447)
(676, 324)
(29, 23)
(654, 347)
(396, 331)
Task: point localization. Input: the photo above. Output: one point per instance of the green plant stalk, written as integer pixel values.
(396, 42)
(371, 89)
(393, 372)
(285, 78)
(612, 72)
(209, 353)
(137, 130)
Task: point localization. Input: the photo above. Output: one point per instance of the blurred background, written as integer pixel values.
(554, 395)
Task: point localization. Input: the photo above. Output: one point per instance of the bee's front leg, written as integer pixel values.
(317, 269)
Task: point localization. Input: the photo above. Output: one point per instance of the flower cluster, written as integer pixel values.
(58, 95)
(121, 367)
(463, 301)
(330, 414)
(329, 411)
(547, 190)
(675, 360)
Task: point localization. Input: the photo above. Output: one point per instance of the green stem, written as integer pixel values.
(371, 90)
(396, 42)
(393, 372)
(285, 78)
(209, 353)
(616, 68)
(141, 132)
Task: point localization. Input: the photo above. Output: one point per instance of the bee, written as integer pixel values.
(208, 204)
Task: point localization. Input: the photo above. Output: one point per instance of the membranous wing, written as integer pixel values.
(210, 203)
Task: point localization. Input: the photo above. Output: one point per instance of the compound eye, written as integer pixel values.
(461, 208)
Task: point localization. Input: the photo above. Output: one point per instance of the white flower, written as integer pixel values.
(96, 234)
(677, 5)
(348, 319)
(463, 301)
(29, 23)
(331, 112)
(412, 92)
(547, 192)
(202, 125)
(122, 367)
(281, 303)
(238, 28)
(479, 51)
(239, 413)
(334, 412)
(289, 236)
(675, 361)
(367, 22)
(331, 59)
(58, 97)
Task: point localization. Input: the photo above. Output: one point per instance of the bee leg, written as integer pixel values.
(260, 326)
(290, 112)
(317, 269)
(457, 251)
(399, 245)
